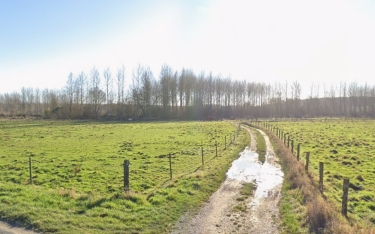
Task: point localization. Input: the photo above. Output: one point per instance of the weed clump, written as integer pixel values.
(77, 169)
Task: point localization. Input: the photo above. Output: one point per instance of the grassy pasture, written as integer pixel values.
(78, 173)
(347, 148)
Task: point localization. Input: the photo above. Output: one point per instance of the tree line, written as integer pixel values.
(184, 95)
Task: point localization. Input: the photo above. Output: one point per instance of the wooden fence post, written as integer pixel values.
(307, 161)
(321, 168)
(288, 140)
(31, 170)
(202, 157)
(292, 146)
(170, 166)
(285, 138)
(345, 188)
(298, 150)
(126, 175)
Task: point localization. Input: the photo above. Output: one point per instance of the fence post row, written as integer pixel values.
(280, 133)
(126, 175)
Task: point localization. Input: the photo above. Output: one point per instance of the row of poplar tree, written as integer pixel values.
(184, 95)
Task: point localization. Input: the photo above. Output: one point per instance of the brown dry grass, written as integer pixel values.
(68, 193)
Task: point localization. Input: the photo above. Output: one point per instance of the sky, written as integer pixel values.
(312, 42)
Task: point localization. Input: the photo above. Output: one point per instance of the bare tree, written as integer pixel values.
(353, 98)
(96, 95)
(173, 90)
(80, 84)
(23, 100)
(108, 89)
(141, 90)
(342, 99)
(69, 90)
(297, 97)
(120, 110)
(165, 82)
(38, 110)
(181, 87)
(29, 101)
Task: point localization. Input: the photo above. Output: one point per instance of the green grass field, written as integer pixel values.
(347, 148)
(78, 173)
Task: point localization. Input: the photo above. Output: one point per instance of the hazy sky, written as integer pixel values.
(324, 42)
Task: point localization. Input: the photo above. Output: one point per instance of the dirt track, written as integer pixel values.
(262, 213)
(5, 228)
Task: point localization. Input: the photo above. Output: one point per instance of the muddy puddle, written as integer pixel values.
(247, 168)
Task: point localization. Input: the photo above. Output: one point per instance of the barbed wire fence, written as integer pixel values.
(337, 192)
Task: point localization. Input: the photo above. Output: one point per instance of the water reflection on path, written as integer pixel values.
(247, 168)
